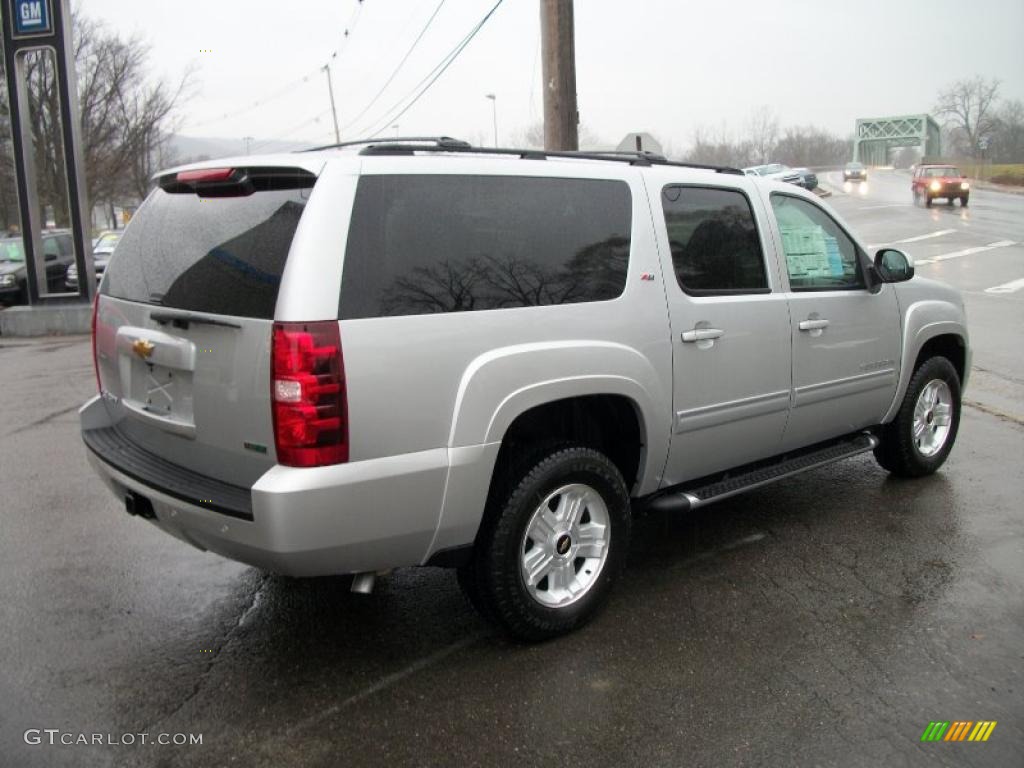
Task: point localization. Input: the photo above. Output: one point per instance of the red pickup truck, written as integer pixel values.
(932, 181)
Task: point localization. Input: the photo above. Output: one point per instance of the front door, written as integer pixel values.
(730, 331)
(846, 339)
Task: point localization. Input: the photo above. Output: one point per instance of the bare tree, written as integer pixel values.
(762, 131)
(1008, 133)
(717, 147)
(532, 137)
(125, 118)
(967, 106)
(811, 146)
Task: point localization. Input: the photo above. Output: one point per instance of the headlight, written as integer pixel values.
(7, 280)
(964, 185)
(936, 186)
(72, 271)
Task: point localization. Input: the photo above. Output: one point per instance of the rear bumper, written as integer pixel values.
(348, 518)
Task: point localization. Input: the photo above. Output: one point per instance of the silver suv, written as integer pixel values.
(423, 353)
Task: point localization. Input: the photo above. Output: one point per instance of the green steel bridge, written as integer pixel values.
(875, 136)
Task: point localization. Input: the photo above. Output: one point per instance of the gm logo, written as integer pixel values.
(31, 17)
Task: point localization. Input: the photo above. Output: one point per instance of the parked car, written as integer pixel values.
(58, 254)
(808, 178)
(103, 249)
(776, 171)
(933, 181)
(418, 354)
(855, 172)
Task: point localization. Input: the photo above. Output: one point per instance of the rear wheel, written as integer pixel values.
(963, 201)
(921, 436)
(927, 201)
(554, 540)
(949, 201)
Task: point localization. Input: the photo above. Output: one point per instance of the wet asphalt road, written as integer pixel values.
(821, 621)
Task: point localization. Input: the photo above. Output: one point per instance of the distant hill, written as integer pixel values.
(187, 149)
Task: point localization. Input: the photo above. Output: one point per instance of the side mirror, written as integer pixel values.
(893, 265)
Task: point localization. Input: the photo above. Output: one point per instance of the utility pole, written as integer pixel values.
(494, 104)
(561, 116)
(334, 112)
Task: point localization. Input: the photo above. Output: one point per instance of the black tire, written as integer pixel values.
(949, 201)
(927, 201)
(493, 581)
(898, 451)
(963, 201)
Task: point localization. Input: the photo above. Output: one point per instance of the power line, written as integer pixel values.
(395, 71)
(289, 87)
(284, 134)
(435, 73)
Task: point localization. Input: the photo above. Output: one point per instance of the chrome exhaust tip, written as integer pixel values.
(362, 583)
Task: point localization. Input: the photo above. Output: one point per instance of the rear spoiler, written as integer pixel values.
(235, 182)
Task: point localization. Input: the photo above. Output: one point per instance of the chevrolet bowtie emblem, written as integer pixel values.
(143, 348)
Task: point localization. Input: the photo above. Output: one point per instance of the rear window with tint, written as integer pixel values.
(223, 255)
(421, 244)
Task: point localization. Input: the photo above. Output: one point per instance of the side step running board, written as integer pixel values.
(706, 491)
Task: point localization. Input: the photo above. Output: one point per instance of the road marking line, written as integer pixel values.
(965, 252)
(918, 238)
(888, 205)
(1011, 287)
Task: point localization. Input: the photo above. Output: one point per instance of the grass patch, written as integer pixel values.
(1006, 173)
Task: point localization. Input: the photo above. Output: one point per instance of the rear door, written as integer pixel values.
(846, 339)
(185, 319)
(730, 330)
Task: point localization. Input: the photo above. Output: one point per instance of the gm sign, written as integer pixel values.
(31, 18)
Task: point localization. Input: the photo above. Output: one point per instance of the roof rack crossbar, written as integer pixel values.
(439, 141)
(641, 158)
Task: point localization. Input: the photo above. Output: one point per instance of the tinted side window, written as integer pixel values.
(421, 244)
(714, 241)
(819, 255)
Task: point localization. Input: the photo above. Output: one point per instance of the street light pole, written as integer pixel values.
(494, 105)
(334, 112)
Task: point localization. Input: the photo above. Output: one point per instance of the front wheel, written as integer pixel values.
(927, 201)
(963, 201)
(554, 540)
(919, 439)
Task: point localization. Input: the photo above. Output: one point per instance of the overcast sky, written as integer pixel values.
(657, 65)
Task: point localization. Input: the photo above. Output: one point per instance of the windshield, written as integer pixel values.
(854, 166)
(947, 171)
(220, 255)
(12, 250)
(107, 241)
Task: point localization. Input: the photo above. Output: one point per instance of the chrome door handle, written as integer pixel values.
(702, 334)
(813, 325)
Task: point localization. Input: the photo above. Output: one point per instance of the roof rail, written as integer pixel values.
(439, 141)
(641, 158)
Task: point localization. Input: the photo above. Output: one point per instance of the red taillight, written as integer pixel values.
(95, 358)
(204, 175)
(307, 390)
